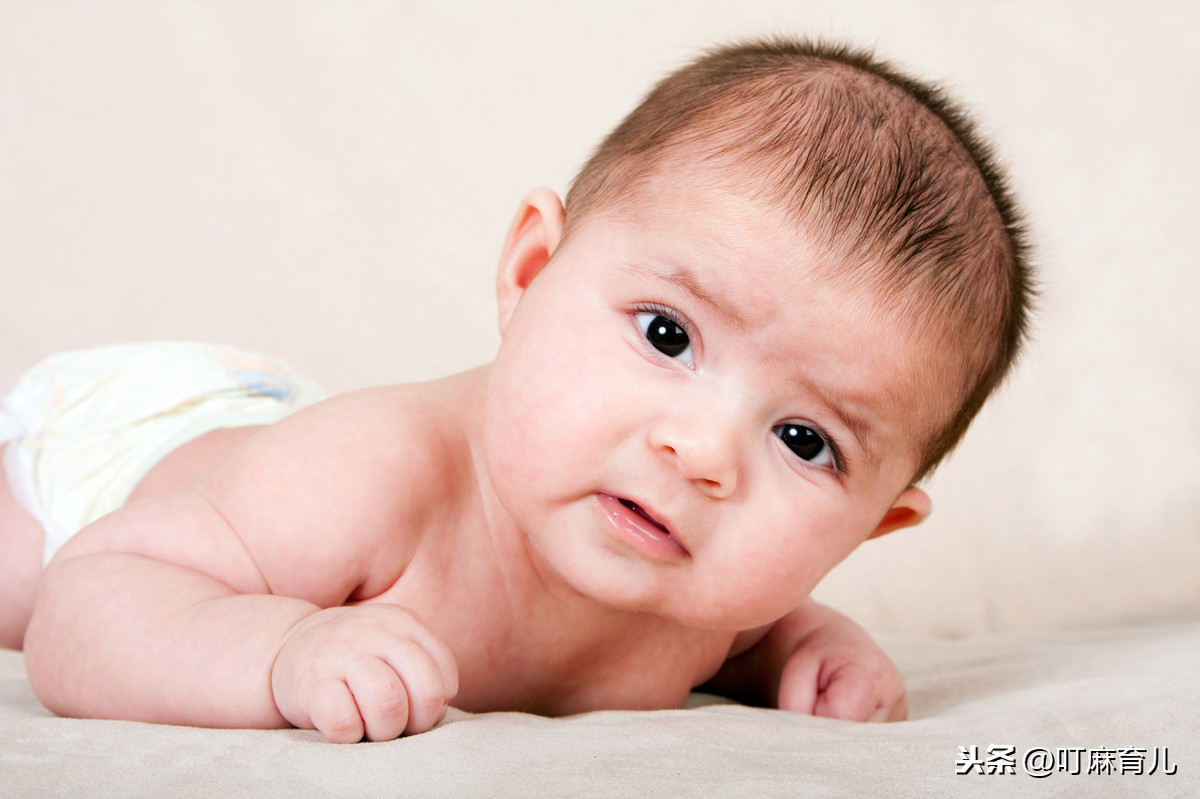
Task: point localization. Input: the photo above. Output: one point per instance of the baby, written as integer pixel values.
(775, 298)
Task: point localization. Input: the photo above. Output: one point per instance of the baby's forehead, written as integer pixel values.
(726, 204)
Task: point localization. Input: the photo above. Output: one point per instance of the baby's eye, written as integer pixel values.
(666, 336)
(808, 444)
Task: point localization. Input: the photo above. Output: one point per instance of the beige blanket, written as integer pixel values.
(1117, 701)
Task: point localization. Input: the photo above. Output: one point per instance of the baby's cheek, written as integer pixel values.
(805, 546)
(530, 426)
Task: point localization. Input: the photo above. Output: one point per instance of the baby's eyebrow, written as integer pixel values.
(686, 281)
(861, 431)
(857, 424)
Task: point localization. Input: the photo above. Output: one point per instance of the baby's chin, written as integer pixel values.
(732, 610)
(692, 610)
(733, 621)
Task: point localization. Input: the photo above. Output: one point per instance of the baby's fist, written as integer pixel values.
(368, 671)
(837, 670)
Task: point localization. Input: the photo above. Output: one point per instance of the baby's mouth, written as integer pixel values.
(638, 528)
(636, 508)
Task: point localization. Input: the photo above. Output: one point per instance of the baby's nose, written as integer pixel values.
(704, 451)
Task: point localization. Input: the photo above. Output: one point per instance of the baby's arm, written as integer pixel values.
(817, 661)
(219, 604)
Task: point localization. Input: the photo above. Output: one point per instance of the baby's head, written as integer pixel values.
(879, 172)
(775, 298)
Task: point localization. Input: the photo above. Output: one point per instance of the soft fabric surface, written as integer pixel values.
(1124, 686)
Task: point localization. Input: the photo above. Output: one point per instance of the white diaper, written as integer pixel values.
(84, 427)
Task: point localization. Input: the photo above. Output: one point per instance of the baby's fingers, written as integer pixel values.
(798, 683)
(426, 686)
(853, 692)
(439, 654)
(381, 698)
(333, 712)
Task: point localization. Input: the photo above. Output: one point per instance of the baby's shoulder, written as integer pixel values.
(395, 431)
(361, 478)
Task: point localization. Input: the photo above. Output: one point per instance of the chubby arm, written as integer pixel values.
(816, 661)
(136, 632)
(218, 604)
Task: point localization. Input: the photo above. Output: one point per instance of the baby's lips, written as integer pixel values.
(638, 509)
(641, 528)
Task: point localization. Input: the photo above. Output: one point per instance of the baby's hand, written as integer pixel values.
(371, 671)
(836, 669)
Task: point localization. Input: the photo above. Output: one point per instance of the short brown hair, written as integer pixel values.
(887, 171)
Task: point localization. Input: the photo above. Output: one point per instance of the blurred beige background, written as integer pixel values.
(331, 182)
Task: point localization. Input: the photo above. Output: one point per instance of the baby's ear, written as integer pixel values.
(531, 240)
(910, 508)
